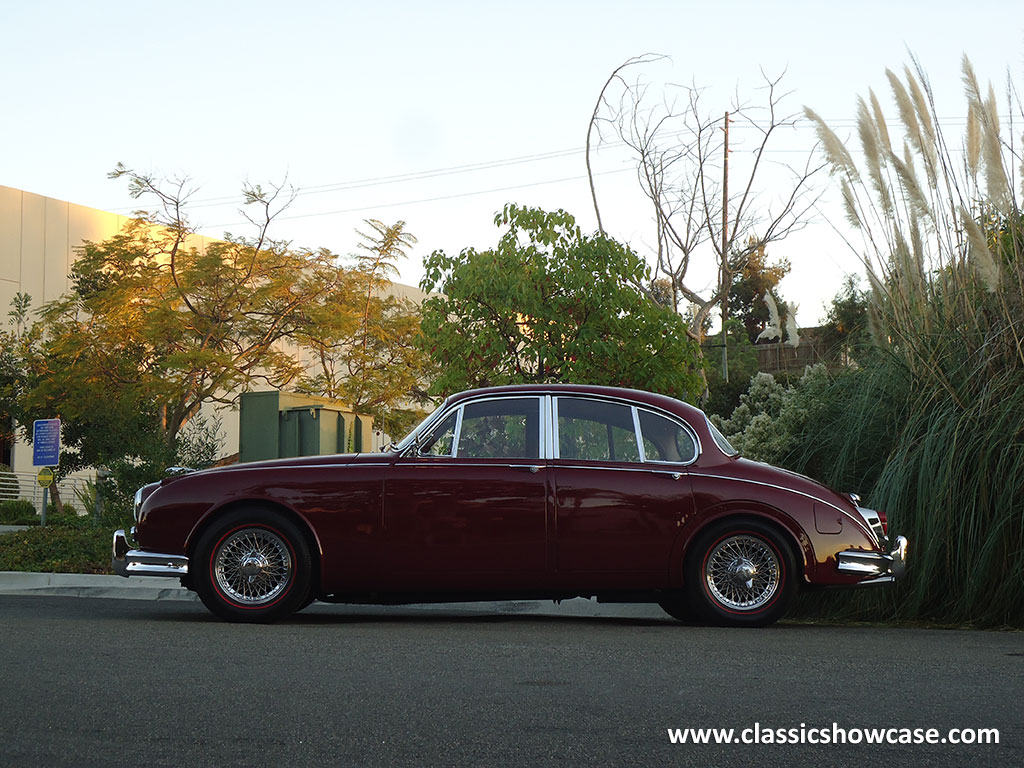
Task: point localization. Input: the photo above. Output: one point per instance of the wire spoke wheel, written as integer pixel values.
(743, 572)
(253, 566)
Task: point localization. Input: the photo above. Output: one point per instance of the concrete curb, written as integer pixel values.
(92, 585)
(170, 589)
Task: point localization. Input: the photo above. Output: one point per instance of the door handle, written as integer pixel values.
(532, 468)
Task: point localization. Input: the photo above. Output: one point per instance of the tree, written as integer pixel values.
(847, 325)
(366, 340)
(749, 285)
(550, 304)
(699, 216)
(154, 326)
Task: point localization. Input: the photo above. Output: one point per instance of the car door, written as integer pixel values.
(621, 492)
(467, 507)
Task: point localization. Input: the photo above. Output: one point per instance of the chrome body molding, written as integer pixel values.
(878, 567)
(127, 561)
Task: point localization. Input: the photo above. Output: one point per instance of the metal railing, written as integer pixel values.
(23, 485)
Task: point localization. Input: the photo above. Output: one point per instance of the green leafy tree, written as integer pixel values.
(847, 326)
(549, 304)
(366, 340)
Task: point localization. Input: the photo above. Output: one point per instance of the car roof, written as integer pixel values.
(635, 395)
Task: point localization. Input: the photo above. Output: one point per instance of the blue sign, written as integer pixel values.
(46, 443)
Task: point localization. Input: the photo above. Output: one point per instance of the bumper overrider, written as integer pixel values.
(876, 567)
(128, 561)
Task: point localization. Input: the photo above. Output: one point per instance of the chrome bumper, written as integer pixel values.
(877, 567)
(133, 562)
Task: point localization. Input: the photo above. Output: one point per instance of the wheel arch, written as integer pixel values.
(308, 533)
(789, 530)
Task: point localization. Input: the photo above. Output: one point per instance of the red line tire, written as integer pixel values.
(741, 573)
(253, 565)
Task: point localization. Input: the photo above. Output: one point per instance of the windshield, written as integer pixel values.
(720, 440)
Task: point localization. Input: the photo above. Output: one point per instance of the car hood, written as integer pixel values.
(334, 459)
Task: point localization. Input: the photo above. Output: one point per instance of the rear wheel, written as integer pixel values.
(253, 565)
(741, 574)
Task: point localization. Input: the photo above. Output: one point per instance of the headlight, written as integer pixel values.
(138, 503)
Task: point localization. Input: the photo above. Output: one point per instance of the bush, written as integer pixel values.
(17, 511)
(57, 549)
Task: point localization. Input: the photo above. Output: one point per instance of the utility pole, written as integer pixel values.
(726, 281)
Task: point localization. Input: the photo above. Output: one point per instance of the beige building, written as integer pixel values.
(38, 241)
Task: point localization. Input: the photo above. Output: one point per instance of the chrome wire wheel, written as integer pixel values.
(743, 572)
(253, 566)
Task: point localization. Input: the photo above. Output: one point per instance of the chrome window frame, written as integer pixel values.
(637, 431)
(686, 428)
(459, 408)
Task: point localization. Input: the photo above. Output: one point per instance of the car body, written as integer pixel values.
(550, 491)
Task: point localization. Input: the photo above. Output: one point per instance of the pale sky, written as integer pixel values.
(440, 113)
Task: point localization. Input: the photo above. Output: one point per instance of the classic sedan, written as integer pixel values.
(524, 492)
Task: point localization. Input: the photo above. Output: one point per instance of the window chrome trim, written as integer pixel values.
(458, 431)
(461, 405)
(638, 435)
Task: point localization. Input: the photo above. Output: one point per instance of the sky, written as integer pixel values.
(438, 114)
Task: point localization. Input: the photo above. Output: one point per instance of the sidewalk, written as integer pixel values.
(155, 588)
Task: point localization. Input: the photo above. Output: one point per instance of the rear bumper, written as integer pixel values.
(127, 561)
(875, 567)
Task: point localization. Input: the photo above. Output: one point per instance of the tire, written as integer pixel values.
(253, 565)
(741, 574)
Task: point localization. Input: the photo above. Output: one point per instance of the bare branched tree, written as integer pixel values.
(680, 153)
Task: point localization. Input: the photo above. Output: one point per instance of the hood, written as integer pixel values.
(334, 459)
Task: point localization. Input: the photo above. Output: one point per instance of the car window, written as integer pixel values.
(441, 440)
(592, 430)
(665, 440)
(505, 428)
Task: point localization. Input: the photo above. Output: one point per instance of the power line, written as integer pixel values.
(426, 200)
(344, 186)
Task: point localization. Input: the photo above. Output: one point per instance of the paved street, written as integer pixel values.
(106, 682)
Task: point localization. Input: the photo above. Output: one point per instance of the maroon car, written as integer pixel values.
(526, 492)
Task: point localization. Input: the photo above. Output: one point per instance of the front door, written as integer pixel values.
(467, 509)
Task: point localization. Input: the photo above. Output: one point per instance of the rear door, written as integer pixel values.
(621, 492)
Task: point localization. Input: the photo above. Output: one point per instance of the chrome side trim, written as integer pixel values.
(133, 562)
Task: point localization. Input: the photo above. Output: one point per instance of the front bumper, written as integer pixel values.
(127, 561)
(876, 567)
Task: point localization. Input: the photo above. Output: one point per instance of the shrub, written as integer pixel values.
(56, 549)
(16, 511)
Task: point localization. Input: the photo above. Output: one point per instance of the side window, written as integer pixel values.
(591, 430)
(441, 440)
(505, 428)
(664, 440)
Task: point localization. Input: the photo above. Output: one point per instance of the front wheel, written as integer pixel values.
(741, 574)
(253, 566)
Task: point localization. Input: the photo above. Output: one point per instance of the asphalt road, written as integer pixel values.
(124, 682)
